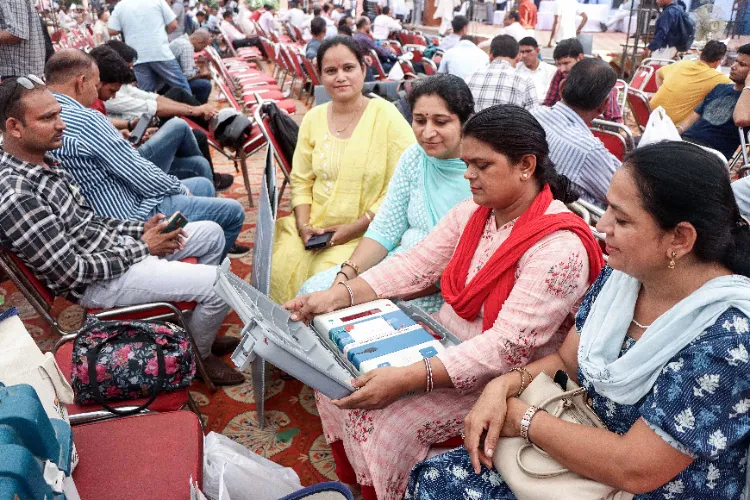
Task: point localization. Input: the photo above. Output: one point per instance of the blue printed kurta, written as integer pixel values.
(699, 404)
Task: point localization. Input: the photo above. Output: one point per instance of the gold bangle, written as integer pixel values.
(369, 217)
(524, 372)
(352, 265)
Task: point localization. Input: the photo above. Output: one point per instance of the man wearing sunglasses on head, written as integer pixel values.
(98, 262)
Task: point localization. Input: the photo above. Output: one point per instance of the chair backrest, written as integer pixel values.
(225, 89)
(292, 57)
(25, 279)
(617, 128)
(641, 77)
(419, 39)
(378, 67)
(268, 47)
(622, 92)
(430, 68)
(312, 72)
(640, 107)
(417, 51)
(614, 142)
(407, 68)
(394, 45)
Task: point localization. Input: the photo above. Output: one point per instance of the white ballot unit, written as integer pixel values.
(338, 346)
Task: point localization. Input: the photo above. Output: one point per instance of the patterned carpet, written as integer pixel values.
(292, 435)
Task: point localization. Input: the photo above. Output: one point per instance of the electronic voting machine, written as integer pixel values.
(338, 346)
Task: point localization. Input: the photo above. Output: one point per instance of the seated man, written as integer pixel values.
(267, 20)
(364, 38)
(460, 25)
(684, 84)
(99, 262)
(172, 148)
(573, 149)
(512, 26)
(184, 49)
(464, 59)
(318, 32)
(539, 72)
(115, 179)
(499, 82)
(567, 53)
(235, 36)
(713, 122)
(384, 24)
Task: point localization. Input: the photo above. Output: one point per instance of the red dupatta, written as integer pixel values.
(493, 283)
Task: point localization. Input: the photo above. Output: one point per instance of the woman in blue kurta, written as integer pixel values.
(428, 181)
(660, 342)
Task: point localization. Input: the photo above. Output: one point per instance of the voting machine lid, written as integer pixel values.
(290, 345)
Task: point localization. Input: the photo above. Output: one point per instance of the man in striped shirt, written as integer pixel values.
(116, 180)
(573, 149)
(98, 262)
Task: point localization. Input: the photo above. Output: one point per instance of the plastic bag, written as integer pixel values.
(232, 472)
(659, 128)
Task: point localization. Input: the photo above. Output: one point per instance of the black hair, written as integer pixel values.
(682, 182)
(67, 64)
(514, 14)
(469, 38)
(126, 51)
(450, 88)
(713, 51)
(112, 67)
(346, 41)
(570, 47)
(504, 46)
(269, 6)
(362, 21)
(589, 84)
(12, 96)
(529, 41)
(101, 13)
(342, 20)
(458, 23)
(316, 11)
(512, 131)
(386, 10)
(200, 13)
(344, 30)
(317, 26)
(227, 13)
(326, 7)
(744, 49)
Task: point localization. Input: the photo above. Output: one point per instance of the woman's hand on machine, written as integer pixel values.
(378, 388)
(306, 307)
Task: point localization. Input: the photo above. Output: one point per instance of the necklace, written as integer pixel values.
(640, 325)
(338, 131)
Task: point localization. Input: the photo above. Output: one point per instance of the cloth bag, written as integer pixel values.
(532, 474)
(229, 467)
(660, 127)
(121, 360)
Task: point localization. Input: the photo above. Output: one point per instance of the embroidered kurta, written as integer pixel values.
(551, 278)
(699, 405)
(341, 180)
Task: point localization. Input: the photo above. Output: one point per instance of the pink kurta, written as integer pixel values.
(551, 279)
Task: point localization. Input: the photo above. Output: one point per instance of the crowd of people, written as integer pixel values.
(462, 209)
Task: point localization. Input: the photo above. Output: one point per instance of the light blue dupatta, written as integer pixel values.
(444, 185)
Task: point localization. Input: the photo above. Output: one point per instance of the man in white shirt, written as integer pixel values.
(460, 25)
(512, 23)
(384, 24)
(295, 16)
(464, 59)
(564, 27)
(234, 35)
(145, 25)
(531, 67)
(267, 20)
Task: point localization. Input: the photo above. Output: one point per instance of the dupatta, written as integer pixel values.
(444, 185)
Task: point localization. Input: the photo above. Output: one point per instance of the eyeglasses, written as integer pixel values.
(8, 97)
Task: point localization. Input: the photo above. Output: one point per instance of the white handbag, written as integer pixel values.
(532, 474)
(660, 127)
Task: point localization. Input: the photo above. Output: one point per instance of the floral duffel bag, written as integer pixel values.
(121, 360)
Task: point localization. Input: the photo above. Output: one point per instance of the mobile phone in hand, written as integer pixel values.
(317, 241)
(136, 136)
(176, 221)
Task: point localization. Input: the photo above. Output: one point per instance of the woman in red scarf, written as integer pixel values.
(513, 264)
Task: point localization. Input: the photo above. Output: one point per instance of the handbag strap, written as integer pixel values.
(539, 475)
(93, 356)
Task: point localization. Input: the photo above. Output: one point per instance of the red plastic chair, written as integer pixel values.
(656, 64)
(641, 78)
(640, 107)
(142, 457)
(430, 68)
(378, 66)
(616, 137)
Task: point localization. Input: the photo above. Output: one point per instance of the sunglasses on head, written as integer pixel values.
(29, 82)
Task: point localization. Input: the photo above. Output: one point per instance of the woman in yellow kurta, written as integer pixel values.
(346, 153)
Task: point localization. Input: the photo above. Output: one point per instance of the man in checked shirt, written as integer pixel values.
(98, 262)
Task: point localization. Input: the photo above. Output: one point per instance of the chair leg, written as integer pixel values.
(191, 404)
(245, 175)
(198, 360)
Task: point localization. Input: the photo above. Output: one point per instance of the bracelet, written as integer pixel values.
(430, 384)
(351, 294)
(524, 372)
(303, 227)
(526, 422)
(130, 125)
(343, 274)
(369, 217)
(352, 265)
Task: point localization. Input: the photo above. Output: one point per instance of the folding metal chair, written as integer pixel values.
(312, 76)
(745, 168)
(617, 138)
(640, 107)
(430, 68)
(641, 77)
(264, 124)
(381, 75)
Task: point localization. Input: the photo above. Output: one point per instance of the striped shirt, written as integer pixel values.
(46, 223)
(116, 180)
(576, 153)
(184, 52)
(19, 18)
(499, 83)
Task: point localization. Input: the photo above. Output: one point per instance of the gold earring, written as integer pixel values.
(525, 176)
(672, 262)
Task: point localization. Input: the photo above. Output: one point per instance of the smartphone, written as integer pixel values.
(136, 136)
(176, 221)
(318, 241)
